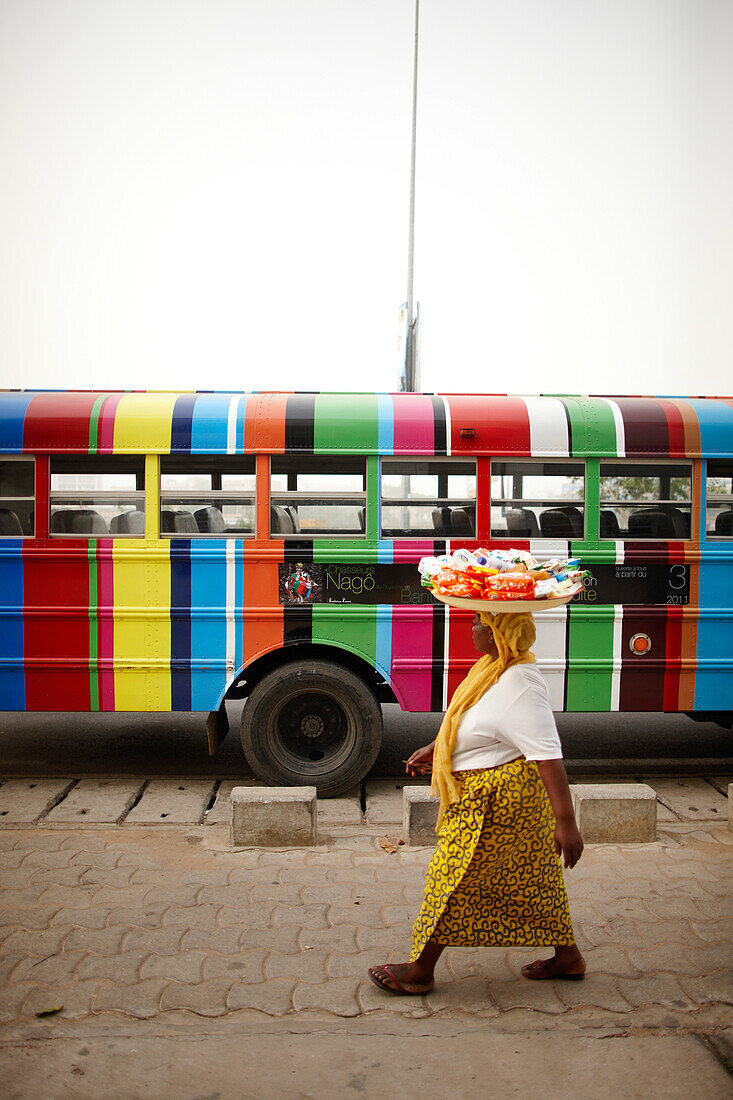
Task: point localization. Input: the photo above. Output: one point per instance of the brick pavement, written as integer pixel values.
(145, 922)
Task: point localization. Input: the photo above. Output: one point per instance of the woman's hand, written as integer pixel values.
(568, 842)
(421, 760)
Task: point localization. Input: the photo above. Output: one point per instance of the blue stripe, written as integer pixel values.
(241, 410)
(210, 423)
(238, 603)
(181, 424)
(383, 654)
(208, 622)
(12, 680)
(716, 427)
(385, 434)
(180, 624)
(12, 418)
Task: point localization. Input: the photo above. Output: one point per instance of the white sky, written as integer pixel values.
(214, 194)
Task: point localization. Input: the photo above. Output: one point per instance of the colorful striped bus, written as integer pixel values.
(170, 551)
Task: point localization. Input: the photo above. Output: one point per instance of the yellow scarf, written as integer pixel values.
(513, 634)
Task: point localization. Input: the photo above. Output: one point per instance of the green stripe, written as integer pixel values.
(94, 424)
(590, 639)
(592, 427)
(93, 615)
(353, 628)
(346, 422)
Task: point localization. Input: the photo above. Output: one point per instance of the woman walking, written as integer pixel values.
(495, 879)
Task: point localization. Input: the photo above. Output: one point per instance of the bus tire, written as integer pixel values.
(312, 723)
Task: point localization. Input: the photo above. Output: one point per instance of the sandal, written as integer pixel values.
(542, 972)
(400, 990)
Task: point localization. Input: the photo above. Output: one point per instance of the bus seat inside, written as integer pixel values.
(460, 524)
(10, 525)
(77, 521)
(561, 523)
(280, 521)
(176, 521)
(209, 520)
(724, 523)
(441, 521)
(680, 521)
(522, 523)
(293, 513)
(609, 525)
(362, 519)
(128, 523)
(650, 523)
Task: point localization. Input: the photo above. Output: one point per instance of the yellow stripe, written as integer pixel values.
(143, 422)
(144, 582)
(152, 497)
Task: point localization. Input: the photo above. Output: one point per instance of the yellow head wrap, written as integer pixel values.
(514, 633)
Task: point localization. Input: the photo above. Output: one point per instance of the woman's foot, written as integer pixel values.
(406, 979)
(567, 963)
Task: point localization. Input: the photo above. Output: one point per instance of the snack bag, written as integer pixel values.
(509, 586)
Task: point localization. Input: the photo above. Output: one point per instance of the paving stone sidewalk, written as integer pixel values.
(142, 922)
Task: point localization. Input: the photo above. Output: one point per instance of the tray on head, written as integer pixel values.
(507, 606)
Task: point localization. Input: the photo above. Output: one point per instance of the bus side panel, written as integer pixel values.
(12, 678)
(714, 679)
(56, 626)
(142, 625)
(212, 596)
(590, 658)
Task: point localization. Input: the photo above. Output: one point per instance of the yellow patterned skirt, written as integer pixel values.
(494, 880)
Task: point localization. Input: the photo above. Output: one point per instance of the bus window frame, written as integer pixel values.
(33, 497)
(436, 502)
(557, 460)
(139, 494)
(713, 536)
(296, 496)
(641, 461)
(167, 498)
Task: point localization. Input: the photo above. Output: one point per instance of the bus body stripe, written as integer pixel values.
(412, 638)
(13, 408)
(142, 644)
(180, 552)
(385, 438)
(93, 607)
(58, 422)
(618, 422)
(344, 422)
(208, 619)
(94, 424)
(299, 422)
(716, 426)
(210, 424)
(414, 431)
(440, 433)
(105, 566)
(548, 427)
(106, 433)
(143, 423)
(182, 423)
(12, 649)
(645, 427)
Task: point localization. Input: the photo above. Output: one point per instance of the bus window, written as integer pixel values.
(212, 495)
(97, 497)
(17, 498)
(719, 500)
(645, 500)
(532, 500)
(317, 496)
(428, 499)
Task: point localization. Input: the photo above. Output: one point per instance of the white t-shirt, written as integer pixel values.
(513, 718)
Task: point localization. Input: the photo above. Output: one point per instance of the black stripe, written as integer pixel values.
(441, 445)
(300, 412)
(298, 550)
(436, 674)
(297, 623)
(570, 428)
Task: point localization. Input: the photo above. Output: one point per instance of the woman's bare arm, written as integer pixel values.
(568, 840)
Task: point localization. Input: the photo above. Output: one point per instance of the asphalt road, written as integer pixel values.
(175, 744)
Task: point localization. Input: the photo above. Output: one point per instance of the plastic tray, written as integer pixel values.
(509, 605)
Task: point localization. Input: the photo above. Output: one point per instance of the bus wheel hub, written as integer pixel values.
(312, 726)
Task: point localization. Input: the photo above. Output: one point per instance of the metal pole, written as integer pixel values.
(410, 364)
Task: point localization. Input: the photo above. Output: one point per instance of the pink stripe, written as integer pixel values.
(106, 601)
(413, 424)
(412, 644)
(411, 552)
(106, 433)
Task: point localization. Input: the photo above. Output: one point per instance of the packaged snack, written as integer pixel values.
(509, 586)
(545, 589)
